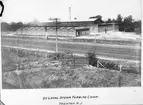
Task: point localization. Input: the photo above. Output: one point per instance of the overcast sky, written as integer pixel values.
(42, 10)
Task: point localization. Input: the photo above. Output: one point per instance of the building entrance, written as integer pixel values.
(82, 32)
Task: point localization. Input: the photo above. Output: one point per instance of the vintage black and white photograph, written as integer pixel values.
(48, 44)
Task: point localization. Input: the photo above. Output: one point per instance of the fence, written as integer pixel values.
(72, 60)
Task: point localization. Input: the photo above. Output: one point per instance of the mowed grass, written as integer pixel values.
(37, 73)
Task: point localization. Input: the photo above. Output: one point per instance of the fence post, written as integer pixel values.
(18, 73)
(73, 61)
(97, 64)
(120, 66)
(62, 59)
(87, 60)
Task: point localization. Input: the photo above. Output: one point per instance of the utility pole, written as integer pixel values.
(56, 20)
(56, 36)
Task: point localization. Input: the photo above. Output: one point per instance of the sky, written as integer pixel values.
(42, 10)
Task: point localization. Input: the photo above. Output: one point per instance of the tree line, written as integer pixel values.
(13, 26)
(127, 24)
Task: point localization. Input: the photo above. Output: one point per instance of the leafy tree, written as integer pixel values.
(137, 26)
(128, 20)
(14, 26)
(109, 20)
(113, 20)
(35, 22)
(128, 24)
(119, 19)
(5, 26)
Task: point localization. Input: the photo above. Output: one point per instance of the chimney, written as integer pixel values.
(69, 13)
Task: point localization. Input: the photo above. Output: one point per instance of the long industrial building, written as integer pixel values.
(74, 28)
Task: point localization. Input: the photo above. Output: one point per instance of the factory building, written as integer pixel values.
(74, 28)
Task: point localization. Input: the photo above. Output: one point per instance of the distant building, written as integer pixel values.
(73, 28)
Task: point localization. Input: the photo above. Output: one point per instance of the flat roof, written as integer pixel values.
(77, 20)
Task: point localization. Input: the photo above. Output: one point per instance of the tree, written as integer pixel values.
(5, 26)
(128, 20)
(128, 23)
(113, 20)
(75, 18)
(35, 22)
(137, 26)
(109, 20)
(119, 19)
(14, 26)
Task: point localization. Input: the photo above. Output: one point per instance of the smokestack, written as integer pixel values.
(69, 13)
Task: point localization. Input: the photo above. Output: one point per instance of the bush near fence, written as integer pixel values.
(127, 67)
(92, 59)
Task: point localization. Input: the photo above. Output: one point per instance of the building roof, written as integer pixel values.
(73, 23)
(106, 24)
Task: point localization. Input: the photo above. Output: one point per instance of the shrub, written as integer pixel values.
(57, 56)
(110, 65)
(92, 60)
(132, 69)
(20, 53)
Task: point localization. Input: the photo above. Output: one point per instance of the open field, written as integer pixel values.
(108, 50)
(123, 36)
(119, 38)
(37, 71)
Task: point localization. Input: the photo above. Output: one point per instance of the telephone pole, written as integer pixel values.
(56, 36)
(56, 20)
